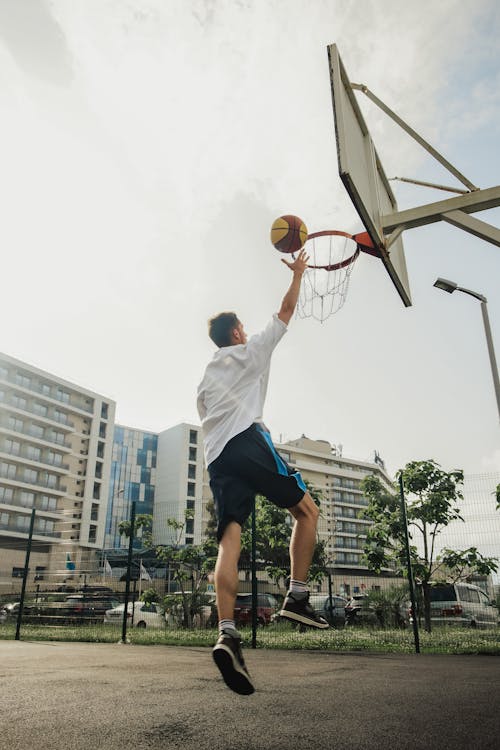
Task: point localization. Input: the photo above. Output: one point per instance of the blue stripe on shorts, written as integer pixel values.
(280, 464)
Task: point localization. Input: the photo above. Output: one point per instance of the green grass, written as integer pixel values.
(440, 641)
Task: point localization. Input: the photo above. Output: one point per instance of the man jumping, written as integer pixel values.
(242, 462)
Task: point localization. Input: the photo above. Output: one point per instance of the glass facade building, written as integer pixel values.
(133, 477)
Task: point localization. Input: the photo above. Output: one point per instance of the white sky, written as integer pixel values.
(146, 147)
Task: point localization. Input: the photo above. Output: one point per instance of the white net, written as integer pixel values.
(326, 282)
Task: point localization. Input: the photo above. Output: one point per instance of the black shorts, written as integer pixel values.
(250, 465)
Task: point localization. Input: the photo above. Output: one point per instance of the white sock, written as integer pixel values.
(227, 625)
(298, 587)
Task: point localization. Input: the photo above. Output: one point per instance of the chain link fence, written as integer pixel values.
(135, 594)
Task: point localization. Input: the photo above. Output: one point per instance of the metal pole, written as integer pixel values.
(330, 596)
(254, 578)
(491, 352)
(408, 566)
(25, 575)
(127, 580)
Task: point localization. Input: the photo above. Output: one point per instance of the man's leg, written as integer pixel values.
(303, 539)
(296, 606)
(226, 571)
(227, 651)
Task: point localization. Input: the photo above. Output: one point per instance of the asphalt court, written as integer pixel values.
(82, 695)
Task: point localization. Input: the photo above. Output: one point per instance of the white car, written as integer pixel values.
(144, 615)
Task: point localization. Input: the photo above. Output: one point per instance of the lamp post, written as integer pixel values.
(450, 287)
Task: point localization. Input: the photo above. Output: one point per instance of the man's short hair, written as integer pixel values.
(221, 326)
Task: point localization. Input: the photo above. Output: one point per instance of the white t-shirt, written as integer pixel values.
(233, 390)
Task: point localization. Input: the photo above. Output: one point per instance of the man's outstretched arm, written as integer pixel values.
(289, 302)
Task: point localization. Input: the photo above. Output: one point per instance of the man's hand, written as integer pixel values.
(299, 265)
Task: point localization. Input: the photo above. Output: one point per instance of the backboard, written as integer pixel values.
(363, 176)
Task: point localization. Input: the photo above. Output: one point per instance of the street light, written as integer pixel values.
(450, 287)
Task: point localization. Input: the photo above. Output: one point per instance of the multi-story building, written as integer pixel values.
(55, 457)
(133, 478)
(179, 485)
(163, 473)
(338, 479)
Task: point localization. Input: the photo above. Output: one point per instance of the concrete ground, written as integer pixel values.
(80, 696)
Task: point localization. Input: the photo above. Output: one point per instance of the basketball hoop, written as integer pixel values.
(326, 281)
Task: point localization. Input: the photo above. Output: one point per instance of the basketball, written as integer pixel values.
(288, 234)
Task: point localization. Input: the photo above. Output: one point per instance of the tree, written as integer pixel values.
(189, 563)
(432, 497)
(274, 529)
(390, 606)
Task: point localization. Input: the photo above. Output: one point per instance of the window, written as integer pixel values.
(57, 437)
(15, 424)
(100, 450)
(190, 505)
(18, 572)
(4, 374)
(189, 540)
(7, 470)
(27, 499)
(55, 458)
(62, 395)
(47, 503)
(30, 475)
(94, 513)
(4, 520)
(22, 523)
(23, 380)
(44, 526)
(12, 446)
(191, 489)
(36, 430)
(45, 389)
(192, 471)
(39, 571)
(193, 436)
(6, 494)
(33, 453)
(98, 470)
(483, 599)
(189, 525)
(92, 534)
(192, 454)
(40, 409)
(19, 401)
(97, 491)
(104, 410)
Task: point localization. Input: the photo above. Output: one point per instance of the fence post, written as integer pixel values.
(129, 566)
(25, 575)
(254, 578)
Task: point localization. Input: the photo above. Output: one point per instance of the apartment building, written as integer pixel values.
(179, 485)
(55, 457)
(338, 479)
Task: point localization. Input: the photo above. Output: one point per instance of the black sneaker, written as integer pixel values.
(228, 657)
(299, 610)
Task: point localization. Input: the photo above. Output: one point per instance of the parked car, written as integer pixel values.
(77, 609)
(204, 615)
(11, 609)
(462, 604)
(332, 610)
(144, 615)
(267, 605)
(3, 614)
(358, 611)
